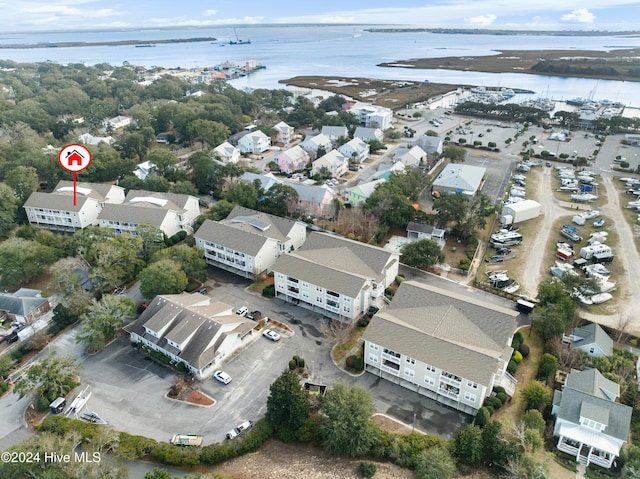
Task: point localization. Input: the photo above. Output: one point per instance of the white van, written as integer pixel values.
(236, 431)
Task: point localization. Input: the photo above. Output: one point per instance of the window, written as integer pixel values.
(318, 299)
(470, 397)
(392, 353)
(373, 346)
(305, 295)
(410, 360)
(429, 381)
(346, 309)
(305, 285)
(373, 358)
(430, 369)
(410, 373)
(472, 385)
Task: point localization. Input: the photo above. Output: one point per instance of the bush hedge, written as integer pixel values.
(524, 350)
(517, 357)
(367, 469)
(358, 364)
(351, 361)
(269, 291)
(482, 417)
(292, 364)
(512, 367)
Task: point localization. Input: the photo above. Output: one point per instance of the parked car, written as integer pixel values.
(495, 259)
(254, 315)
(223, 377)
(242, 311)
(271, 334)
(503, 251)
(202, 291)
(236, 431)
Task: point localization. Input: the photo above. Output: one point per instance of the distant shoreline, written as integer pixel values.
(487, 31)
(20, 46)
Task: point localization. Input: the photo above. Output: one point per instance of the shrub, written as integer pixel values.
(524, 350)
(175, 455)
(465, 264)
(490, 409)
(363, 322)
(296, 358)
(499, 389)
(503, 397)
(495, 402)
(517, 357)
(624, 164)
(358, 365)
(4, 386)
(367, 469)
(134, 447)
(518, 337)
(482, 417)
(512, 367)
(399, 280)
(269, 291)
(547, 366)
(351, 361)
(300, 362)
(16, 355)
(42, 404)
(292, 364)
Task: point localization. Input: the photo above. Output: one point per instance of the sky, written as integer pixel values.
(65, 15)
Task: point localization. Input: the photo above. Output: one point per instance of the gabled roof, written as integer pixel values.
(313, 194)
(185, 317)
(366, 132)
(254, 136)
(293, 154)
(145, 207)
(233, 236)
(282, 126)
(61, 198)
(592, 382)
(593, 334)
(22, 302)
(266, 181)
(411, 156)
(336, 263)
(453, 331)
(334, 158)
(313, 142)
(587, 400)
(460, 177)
(356, 144)
(225, 150)
(334, 131)
(254, 221)
(365, 189)
(386, 171)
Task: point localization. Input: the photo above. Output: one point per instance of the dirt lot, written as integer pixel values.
(388, 93)
(615, 64)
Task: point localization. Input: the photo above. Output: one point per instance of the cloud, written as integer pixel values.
(210, 13)
(105, 12)
(192, 22)
(55, 9)
(581, 15)
(482, 20)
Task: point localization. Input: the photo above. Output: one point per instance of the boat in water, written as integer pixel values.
(237, 41)
(145, 45)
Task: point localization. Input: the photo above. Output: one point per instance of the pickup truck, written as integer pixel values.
(236, 431)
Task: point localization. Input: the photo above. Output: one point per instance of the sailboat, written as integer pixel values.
(237, 41)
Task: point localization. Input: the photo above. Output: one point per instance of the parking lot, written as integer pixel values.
(128, 389)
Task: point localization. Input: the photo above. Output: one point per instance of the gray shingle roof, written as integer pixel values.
(334, 131)
(312, 194)
(231, 237)
(195, 318)
(424, 228)
(460, 177)
(590, 381)
(592, 333)
(133, 214)
(63, 200)
(280, 227)
(451, 331)
(616, 416)
(175, 202)
(21, 302)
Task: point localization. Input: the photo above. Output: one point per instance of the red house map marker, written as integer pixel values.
(74, 158)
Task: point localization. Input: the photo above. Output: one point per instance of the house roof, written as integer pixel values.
(282, 126)
(266, 181)
(386, 171)
(22, 302)
(411, 156)
(258, 222)
(199, 319)
(169, 201)
(427, 229)
(365, 132)
(293, 154)
(225, 149)
(313, 142)
(333, 158)
(334, 130)
(456, 332)
(429, 142)
(254, 136)
(365, 189)
(356, 144)
(336, 263)
(574, 403)
(136, 215)
(61, 198)
(460, 177)
(313, 194)
(233, 236)
(593, 334)
(592, 382)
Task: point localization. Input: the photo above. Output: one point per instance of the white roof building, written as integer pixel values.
(458, 178)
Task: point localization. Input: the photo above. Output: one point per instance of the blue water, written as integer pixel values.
(288, 51)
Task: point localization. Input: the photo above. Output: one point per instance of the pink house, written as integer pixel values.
(293, 159)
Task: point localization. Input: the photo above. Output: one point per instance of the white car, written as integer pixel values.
(242, 311)
(272, 335)
(223, 377)
(236, 431)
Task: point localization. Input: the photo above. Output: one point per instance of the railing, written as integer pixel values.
(391, 358)
(293, 294)
(448, 380)
(564, 447)
(295, 284)
(599, 460)
(389, 370)
(508, 382)
(449, 394)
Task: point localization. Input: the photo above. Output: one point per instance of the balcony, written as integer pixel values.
(389, 370)
(508, 382)
(292, 282)
(450, 379)
(448, 393)
(333, 309)
(391, 358)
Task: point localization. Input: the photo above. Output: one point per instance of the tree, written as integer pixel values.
(279, 200)
(532, 419)
(547, 366)
(8, 209)
(555, 311)
(210, 132)
(189, 258)
(421, 254)
(287, 405)
(349, 428)
(118, 260)
(536, 395)
(375, 145)
(456, 154)
(51, 377)
(435, 462)
(162, 277)
(468, 446)
(162, 159)
(103, 320)
(23, 180)
(22, 260)
(244, 194)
